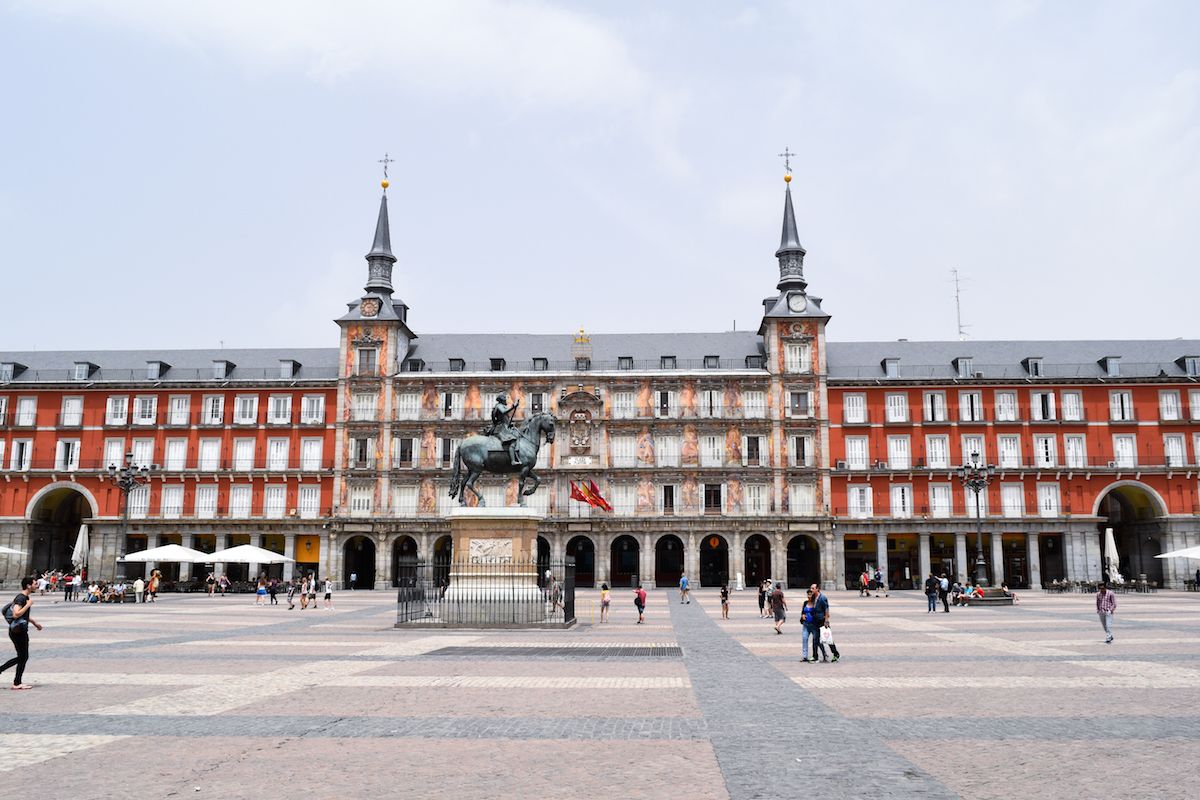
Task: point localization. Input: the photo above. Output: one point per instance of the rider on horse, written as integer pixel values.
(502, 428)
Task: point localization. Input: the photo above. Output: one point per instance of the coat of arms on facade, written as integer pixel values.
(580, 430)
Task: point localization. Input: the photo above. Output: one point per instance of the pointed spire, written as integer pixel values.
(790, 253)
(380, 259)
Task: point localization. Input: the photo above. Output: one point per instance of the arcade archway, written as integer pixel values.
(758, 559)
(443, 553)
(55, 520)
(543, 560)
(1134, 512)
(803, 562)
(358, 563)
(623, 561)
(668, 561)
(714, 561)
(583, 551)
(404, 561)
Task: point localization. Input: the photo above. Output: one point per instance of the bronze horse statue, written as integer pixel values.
(479, 454)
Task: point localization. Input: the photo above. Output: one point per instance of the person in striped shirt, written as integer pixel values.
(1106, 606)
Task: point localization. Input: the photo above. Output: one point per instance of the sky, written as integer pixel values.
(206, 174)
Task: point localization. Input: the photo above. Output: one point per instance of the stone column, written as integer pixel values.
(424, 547)
(998, 577)
(256, 539)
(778, 559)
(383, 562)
(329, 563)
(839, 562)
(960, 556)
(289, 550)
(185, 569)
(737, 561)
(881, 556)
(923, 558)
(1034, 556)
(603, 557)
(691, 560)
(151, 543)
(646, 561)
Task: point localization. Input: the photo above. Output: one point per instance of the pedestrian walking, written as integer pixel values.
(353, 580)
(806, 629)
(304, 593)
(1106, 606)
(827, 640)
(328, 594)
(683, 589)
(152, 587)
(312, 591)
(223, 584)
(778, 607)
(291, 594)
(864, 584)
(210, 584)
(820, 614)
(260, 594)
(725, 601)
(762, 599)
(639, 602)
(931, 593)
(944, 592)
(17, 615)
(880, 583)
(139, 590)
(68, 583)
(273, 590)
(605, 600)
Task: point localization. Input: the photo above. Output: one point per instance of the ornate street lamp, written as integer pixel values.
(976, 477)
(128, 477)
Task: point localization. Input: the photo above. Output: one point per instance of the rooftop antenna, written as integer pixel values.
(962, 329)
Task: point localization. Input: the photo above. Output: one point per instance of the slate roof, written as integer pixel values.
(44, 366)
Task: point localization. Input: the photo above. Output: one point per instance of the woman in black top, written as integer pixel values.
(725, 601)
(762, 599)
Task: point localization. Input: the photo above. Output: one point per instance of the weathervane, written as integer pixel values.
(786, 155)
(385, 161)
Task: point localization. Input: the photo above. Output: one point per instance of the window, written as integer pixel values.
(22, 454)
(1193, 403)
(973, 444)
(666, 362)
(755, 495)
(1012, 500)
(712, 451)
(754, 404)
(139, 502)
(1191, 365)
(206, 502)
(143, 452)
(537, 403)
(172, 502)
(583, 364)
(797, 357)
(145, 410)
(965, 367)
(940, 500)
(486, 401)
(72, 411)
(541, 364)
(624, 362)
(754, 362)
(312, 409)
(240, 498)
(898, 453)
(66, 454)
(935, 406)
(1048, 499)
(1112, 366)
(449, 448)
(857, 453)
(713, 497)
(408, 406)
(277, 454)
(860, 501)
(404, 500)
(667, 451)
(114, 453)
(214, 410)
(243, 455)
(752, 451)
(7, 370)
(1124, 450)
(712, 362)
(1174, 450)
(1169, 408)
(891, 367)
(496, 364)
(361, 498)
(623, 405)
(1072, 406)
(668, 404)
(802, 451)
(902, 501)
(412, 365)
(970, 407)
(210, 454)
(710, 401)
(404, 452)
(452, 405)
(288, 368)
(1006, 406)
(1010, 451)
(311, 451)
(279, 409)
(937, 452)
(178, 407)
(854, 408)
(896, 408)
(366, 363)
(1045, 450)
(1034, 365)
(1120, 406)
(26, 411)
(802, 500)
(977, 504)
(667, 499)
(623, 499)
(1075, 448)
(245, 409)
(221, 369)
(3, 410)
(624, 451)
(274, 501)
(310, 501)
(1041, 406)
(362, 407)
(175, 459)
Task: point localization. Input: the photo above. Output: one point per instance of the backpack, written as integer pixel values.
(8, 613)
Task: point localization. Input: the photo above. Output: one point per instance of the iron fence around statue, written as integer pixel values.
(486, 593)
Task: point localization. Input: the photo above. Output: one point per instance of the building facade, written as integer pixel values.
(762, 454)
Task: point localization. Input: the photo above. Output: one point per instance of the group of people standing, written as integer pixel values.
(814, 619)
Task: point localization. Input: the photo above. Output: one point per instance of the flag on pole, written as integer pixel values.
(577, 494)
(597, 498)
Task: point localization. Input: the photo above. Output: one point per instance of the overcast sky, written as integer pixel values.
(186, 174)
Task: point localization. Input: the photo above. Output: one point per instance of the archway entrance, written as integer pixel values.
(1050, 556)
(758, 559)
(623, 561)
(404, 561)
(543, 560)
(668, 561)
(55, 525)
(443, 552)
(584, 552)
(714, 561)
(358, 563)
(1133, 513)
(803, 562)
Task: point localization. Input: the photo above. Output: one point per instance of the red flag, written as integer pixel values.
(576, 494)
(600, 502)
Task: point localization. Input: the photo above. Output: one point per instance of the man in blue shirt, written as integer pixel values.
(684, 589)
(820, 613)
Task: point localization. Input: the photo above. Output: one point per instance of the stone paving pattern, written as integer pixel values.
(197, 697)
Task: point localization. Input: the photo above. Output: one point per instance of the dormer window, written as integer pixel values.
(583, 364)
(1111, 366)
(754, 362)
(712, 362)
(412, 365)
(625, 362)
(82, 371)
(457, 365)
(1034, 367)
(155, 370)
(964, 366)
(891, 367)
(288, 368)
(221, 369)
(541, 364)
(497, 364)
(10, 370)
(1190, 365)
(666, 362)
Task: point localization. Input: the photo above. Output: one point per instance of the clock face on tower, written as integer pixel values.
(797, 302)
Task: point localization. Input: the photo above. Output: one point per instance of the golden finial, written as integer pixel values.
(786, 155)
(787, 178)
(384, 183)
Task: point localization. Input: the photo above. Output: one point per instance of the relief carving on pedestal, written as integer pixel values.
(490, 549)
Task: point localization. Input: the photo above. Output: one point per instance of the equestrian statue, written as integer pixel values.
(502, 449)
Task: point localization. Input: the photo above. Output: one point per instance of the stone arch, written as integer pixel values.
(757, 561)
(1158, 504)
(582, 548)
(55, 514)
(624, 557)
(669, 560)
(714, 560)
(52, 487)
(405, 555)
(803, 561)
(358, 562)
(1134, 511)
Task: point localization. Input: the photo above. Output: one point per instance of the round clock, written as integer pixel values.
(797, 302)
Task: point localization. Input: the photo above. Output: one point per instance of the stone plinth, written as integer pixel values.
(482, 533)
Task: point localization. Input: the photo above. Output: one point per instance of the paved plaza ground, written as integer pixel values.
(218, 698)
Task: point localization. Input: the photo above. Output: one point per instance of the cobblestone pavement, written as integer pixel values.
(218, 697)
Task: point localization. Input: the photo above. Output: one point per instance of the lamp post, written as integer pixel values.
(128, 477)
(976, 477)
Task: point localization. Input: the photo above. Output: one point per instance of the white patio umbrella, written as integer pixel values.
(1187, 552)
(79, 554)
(8, 551)
(169, 553)
(246, 554)
(1112, 561)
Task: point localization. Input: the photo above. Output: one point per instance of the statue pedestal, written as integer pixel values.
(490, 534)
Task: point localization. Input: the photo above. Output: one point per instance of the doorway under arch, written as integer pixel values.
(404, 561)
(668, 560)
(623, 561)
(714, 560)
(358, 563)
(55, 520)
(803, 562)
(543, 560)
(443, 553)
(758, 559)
(1134, 512)
(583, 551)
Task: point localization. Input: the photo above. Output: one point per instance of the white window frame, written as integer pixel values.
(1124, 460)
(755, 502)
(114, 453)
(278, 453)
(854, 408)
(1042, 406)
(934, 404)
(896, 407)
(858, 452)
(175, 455)
(213, 410)
(902, 500)
(206, 501)
(624, 405)
(241, 501)
(279, 409)
(1179, 457)
(970, 406)
(138, 501)
(274, 501)
(1045, 451)
(66, 454)
(797, 357)
(1008, 451)
(1006, 406)
(451, 405)
(408, 406)
(1169, 407)
(362, 499)
(968, 449)
(754, 404)
(1012, 500)
(1072, 406)
(245, 409)
(1075, 450)
(1120, 405)
(208, 458)
(177, 411)
(116, 409)
(312, 409)
(899, 451)
(711, 402)
(72, 410)
(243, 454)
(942, 441)
(308, 502)
(312, 452)
(1049, 498)
(859, 501)
(623, 450)
(170, 501)
(941, 500)
(802, 499)
(405, 498)
(667, 451)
